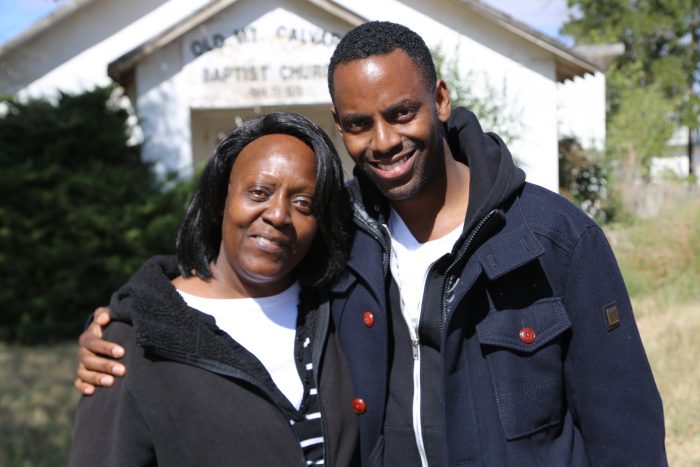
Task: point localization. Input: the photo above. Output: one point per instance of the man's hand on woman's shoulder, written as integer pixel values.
(96, 356)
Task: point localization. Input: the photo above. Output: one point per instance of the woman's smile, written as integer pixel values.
(271, 244)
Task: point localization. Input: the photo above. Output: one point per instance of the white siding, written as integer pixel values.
(581, 109)
(73, 54)
(524, 71)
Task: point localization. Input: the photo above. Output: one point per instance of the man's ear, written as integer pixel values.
(336, 119)
(443, 105)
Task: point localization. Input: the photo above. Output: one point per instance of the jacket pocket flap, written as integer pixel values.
(509, 251)
(526, 329)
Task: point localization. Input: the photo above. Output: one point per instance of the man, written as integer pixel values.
(484, 319)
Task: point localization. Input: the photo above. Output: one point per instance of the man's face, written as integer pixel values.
(390, 120)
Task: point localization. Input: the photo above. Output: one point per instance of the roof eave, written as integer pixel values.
(123, 65)
(42, 25)
(569, 63)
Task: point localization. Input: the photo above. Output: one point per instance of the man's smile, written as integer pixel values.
(395, 167)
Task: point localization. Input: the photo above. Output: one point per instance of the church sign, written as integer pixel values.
(280, 59)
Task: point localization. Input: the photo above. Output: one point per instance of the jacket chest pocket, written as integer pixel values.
(524, 351)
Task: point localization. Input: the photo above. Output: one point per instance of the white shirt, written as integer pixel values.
(410, 261)
(266, 327)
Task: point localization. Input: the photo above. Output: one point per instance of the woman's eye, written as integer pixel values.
(257, 194)
(304, 204)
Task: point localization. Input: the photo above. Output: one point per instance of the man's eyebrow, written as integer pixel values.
(402, 104)
(353, 117)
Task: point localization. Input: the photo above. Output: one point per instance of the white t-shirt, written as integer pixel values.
(410, 261)
(266, 327)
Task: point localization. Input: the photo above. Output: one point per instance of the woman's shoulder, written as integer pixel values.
(122, 333)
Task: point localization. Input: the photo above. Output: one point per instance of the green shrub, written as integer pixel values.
(584, 179)
(79, 212)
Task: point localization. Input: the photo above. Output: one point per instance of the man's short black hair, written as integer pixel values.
(199, 237)
(381, 38)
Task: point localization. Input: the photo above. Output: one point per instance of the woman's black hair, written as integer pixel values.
(199, 237)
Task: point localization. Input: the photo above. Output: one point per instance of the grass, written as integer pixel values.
(37, 402)
(671, 335)
(659, 257)
(660, 260)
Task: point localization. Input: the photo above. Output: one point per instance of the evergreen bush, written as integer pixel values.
(79, 212)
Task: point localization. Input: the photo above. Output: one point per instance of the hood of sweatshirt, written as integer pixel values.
(494, 177)
(157, 312)
(166, 325)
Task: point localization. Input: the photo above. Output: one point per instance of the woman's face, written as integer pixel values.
(268, 225)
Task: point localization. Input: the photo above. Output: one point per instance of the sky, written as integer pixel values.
(544, 15)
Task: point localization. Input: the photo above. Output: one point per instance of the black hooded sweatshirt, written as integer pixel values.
(194, 396)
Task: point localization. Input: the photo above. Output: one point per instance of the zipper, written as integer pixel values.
(413, 331)
(320, 337)
(416, 405)
(417, 422)
(324, 429)
(448, 281)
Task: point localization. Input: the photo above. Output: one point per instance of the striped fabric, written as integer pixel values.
(308, 427)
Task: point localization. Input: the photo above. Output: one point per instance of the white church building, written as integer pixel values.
(194, 69)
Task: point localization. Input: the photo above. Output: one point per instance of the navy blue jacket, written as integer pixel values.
(542, 363)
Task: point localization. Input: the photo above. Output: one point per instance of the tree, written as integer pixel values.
(491, 104)
(661, 51)
(79, 212)
(639, 128)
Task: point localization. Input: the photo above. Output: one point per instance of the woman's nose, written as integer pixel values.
(277, 210)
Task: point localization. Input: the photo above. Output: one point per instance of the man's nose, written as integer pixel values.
(385, 138)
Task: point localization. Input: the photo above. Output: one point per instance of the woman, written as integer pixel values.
(231, 354)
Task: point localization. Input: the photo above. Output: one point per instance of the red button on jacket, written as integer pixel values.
(368, 318)
(359, 406)
(527, 335)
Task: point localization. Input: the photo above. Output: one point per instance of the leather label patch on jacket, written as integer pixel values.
(612, 317)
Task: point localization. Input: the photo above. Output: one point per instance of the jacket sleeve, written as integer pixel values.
(609, 383)
(110, 429)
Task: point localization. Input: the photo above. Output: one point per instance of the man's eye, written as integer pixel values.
(356, 126)
(404, 114)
